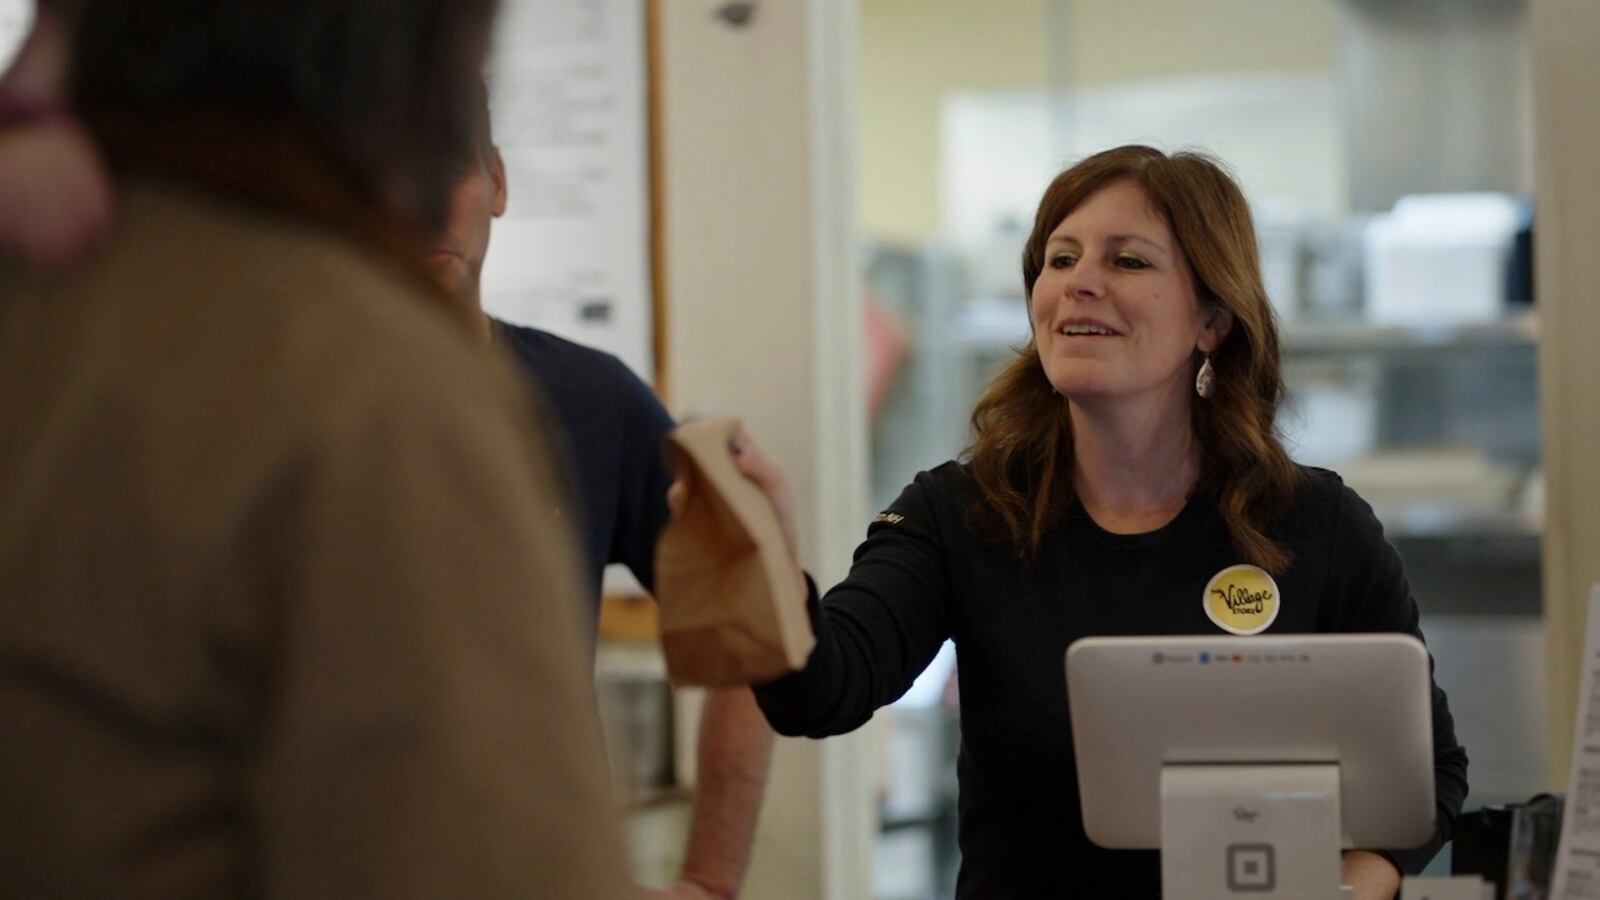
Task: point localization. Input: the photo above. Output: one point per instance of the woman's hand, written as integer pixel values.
(764, 473)
(1372, 875)
(756, 465)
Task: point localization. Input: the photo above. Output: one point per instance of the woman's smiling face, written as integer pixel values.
(1115, 311)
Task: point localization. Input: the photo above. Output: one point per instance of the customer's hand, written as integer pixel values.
(55, 196)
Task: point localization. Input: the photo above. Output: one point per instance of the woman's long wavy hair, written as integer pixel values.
(1021, 453)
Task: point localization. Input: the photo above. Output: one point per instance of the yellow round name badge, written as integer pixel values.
(1242, 600)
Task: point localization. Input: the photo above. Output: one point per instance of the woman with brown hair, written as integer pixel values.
(1121, 463)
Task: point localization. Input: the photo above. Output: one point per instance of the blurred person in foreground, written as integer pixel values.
(1123, 465)
(615, 430)
(281, 615)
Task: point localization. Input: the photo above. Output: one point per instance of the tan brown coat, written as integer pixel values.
(284, 609)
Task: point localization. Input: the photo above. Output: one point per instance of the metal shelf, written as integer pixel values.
(1520, 330)
(991, 324)
(995, 324)
(1440, 520)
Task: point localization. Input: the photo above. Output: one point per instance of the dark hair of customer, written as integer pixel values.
(358, 113)
(482, 126)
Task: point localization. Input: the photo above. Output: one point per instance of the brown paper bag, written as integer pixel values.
(732, 607)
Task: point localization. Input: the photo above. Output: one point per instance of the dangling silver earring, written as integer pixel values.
(1205, 382)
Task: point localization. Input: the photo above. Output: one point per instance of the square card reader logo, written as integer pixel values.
(1251, 868)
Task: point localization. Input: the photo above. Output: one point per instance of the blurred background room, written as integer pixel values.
(829, 198)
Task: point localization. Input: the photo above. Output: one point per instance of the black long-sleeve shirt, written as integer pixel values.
(923, 576)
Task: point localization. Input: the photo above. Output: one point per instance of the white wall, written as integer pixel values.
(913, 54)
(1104, 41)
(1566, 78)
(762, 311)
(917, 53)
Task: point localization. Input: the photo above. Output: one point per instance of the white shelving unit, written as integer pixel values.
(996, 324)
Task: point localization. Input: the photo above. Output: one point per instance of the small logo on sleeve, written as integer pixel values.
(888, 518)
(1242, 600)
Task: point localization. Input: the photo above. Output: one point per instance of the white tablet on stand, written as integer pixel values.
(1251, 762)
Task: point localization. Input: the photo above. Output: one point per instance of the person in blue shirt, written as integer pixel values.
(615, 429)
